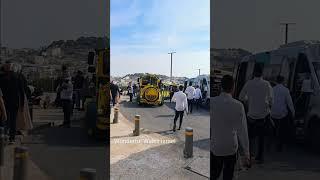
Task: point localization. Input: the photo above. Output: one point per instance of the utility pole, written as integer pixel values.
(199, 71)
(171, 65)
(286, 31)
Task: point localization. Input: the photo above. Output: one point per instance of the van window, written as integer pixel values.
(302, 68)
(317, 69)
(204, 81)
(270, 72)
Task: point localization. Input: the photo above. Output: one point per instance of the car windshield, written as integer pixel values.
(317, 69)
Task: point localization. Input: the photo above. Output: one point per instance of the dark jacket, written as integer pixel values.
(114, 89)
(12, 90)
(78, 82)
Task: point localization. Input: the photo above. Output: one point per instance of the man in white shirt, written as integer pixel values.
(279, 111)
(198, 96)
(258, 95)
(190, 91)
(130, 91)
(228, 127)
(66, 95)
(181, 104)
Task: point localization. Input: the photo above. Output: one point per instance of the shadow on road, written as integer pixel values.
(58, 136)
(202, 144)
(165, 116)
(135, 105)
(62, 152)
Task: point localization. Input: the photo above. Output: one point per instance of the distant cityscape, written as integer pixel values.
(124, 81)
(46, 62)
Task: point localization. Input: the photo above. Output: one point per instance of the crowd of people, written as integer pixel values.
(72, 93)
(261, 111)
(14, 95)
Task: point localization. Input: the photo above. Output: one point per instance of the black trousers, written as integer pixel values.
(282, 131)
(257, 128)
(67, 110)
(11, 122)
(131, 95)
(190, 105)
(178, 114)
(114, 97)
(171, 95)
(198, 102)
(226, 162)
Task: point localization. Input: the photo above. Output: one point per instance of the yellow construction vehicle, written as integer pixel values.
(150, 90)
(98, 109)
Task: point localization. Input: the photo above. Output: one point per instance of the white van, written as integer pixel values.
(294, 62)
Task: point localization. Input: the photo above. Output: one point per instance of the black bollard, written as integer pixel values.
(116, 115)
(136, 131)
(188, 149)
(88, 174)
(20, 163)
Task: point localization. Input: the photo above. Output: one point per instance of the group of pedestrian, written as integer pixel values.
(184, 102)
(194, 96)
(70, 93)
(15, 116)
(232, 124)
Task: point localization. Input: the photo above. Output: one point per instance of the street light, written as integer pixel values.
(286, 32)
(171, 65)
(199, 71)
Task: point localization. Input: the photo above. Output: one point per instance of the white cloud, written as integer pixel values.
(176, 25)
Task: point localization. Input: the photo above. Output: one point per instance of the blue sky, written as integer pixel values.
(144, 31)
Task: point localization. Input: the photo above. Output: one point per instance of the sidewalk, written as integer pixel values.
(42, 120)
(6, 172)
(152, 155)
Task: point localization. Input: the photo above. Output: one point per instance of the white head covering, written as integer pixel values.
(14, 67)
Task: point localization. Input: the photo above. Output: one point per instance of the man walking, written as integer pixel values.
(78, 85)
(259, 97)
(9, 84)
(130, 91)
(66, 99)
(181, 105)
(229, 126)
(279, 111)
(198, 96)
(115, 92)
(190, 91)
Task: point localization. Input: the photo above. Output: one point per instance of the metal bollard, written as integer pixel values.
(116, 115)
(2, 145)
(136, 131)
(88, 174)
(188, 149)
(20, 163)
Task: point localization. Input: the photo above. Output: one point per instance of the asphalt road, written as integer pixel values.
(294, 163)
(62, 152)
(159, 119)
